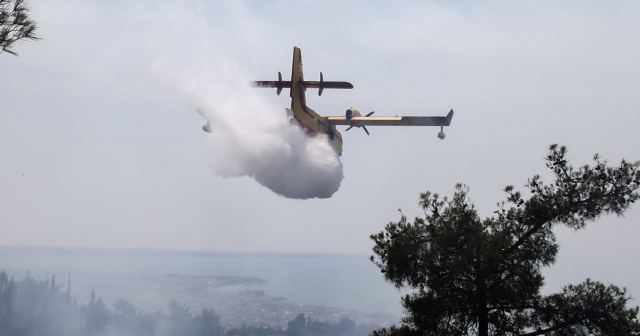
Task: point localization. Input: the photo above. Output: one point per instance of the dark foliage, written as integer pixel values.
(15, 24)
(474, 276)
(33, 307)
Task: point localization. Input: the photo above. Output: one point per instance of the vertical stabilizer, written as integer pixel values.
(297, 77)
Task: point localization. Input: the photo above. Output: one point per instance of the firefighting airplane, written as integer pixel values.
(313, 123)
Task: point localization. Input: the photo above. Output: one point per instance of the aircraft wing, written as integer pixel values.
(320, 85)
(206, 127)
(327, 85)
(305, 84)
(391, 120)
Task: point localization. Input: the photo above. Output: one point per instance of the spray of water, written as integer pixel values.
(250, 137)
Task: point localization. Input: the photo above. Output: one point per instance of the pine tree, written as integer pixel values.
(474, 276)
(15, 24)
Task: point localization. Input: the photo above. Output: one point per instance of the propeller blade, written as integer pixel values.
(365, 129)
(370, 113)
(350, 127)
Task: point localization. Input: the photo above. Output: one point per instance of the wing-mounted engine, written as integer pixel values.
(351, 113)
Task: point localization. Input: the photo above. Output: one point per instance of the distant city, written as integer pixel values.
(237, 300)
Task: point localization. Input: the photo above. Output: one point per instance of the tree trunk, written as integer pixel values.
(483, 310)
(483, 316)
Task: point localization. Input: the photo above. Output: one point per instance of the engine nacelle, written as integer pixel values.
(279, 85)
(351, 112)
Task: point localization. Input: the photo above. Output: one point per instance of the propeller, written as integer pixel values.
(363, 126)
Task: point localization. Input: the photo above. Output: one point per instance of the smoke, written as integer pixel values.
(251, 137)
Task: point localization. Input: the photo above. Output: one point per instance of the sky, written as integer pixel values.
(98, 151)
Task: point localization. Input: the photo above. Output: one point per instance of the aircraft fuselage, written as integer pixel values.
(310, 121)
(316, 125)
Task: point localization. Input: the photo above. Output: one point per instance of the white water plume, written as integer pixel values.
(250, 137)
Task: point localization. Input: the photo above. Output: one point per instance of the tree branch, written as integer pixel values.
(544, 331)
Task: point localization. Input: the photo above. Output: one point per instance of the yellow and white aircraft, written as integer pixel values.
(313, 123)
